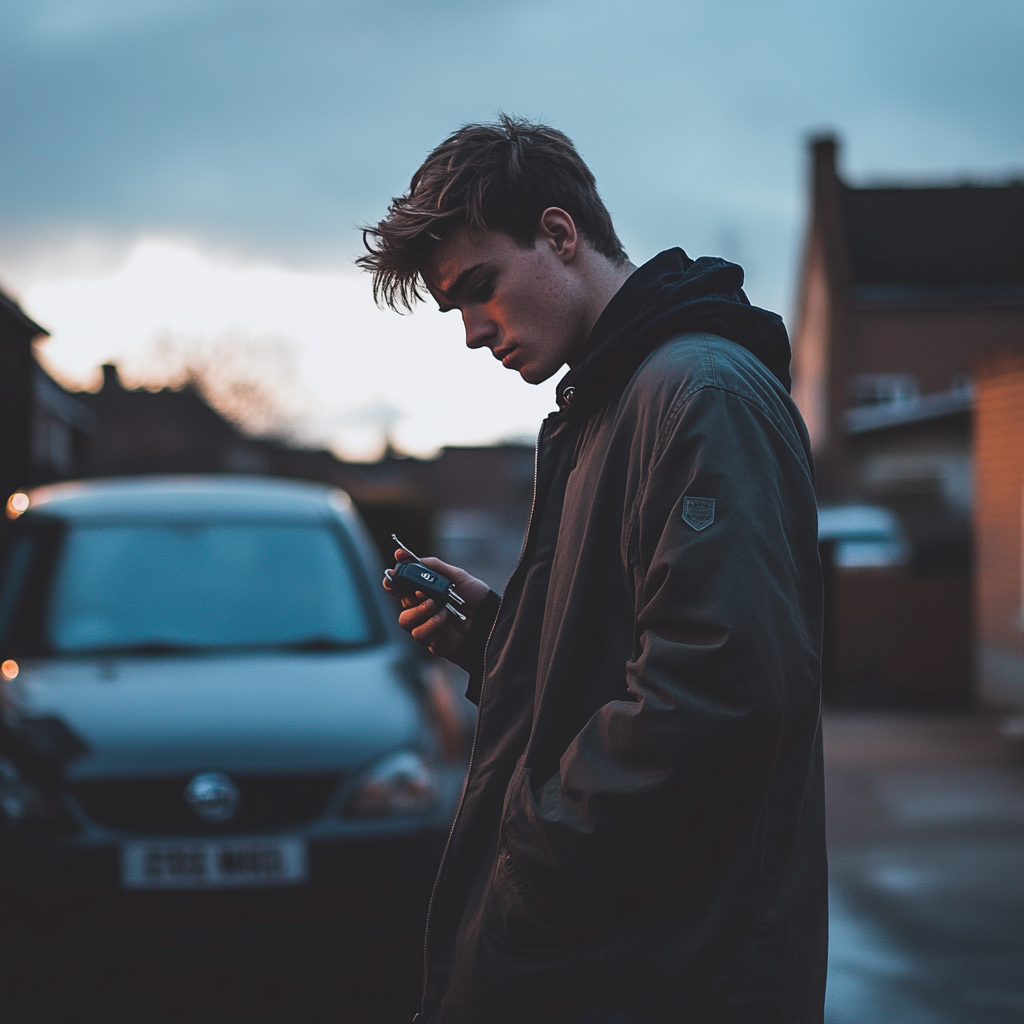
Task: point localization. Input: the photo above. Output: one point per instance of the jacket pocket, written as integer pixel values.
(513, 914)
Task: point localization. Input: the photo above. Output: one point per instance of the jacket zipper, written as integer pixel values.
(476, 731)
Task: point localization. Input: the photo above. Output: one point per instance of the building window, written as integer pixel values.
(884, 388)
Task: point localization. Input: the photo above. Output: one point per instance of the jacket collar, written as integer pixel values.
(670, 295)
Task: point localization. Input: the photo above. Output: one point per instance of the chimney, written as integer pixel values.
(824, 157)
(111, 381)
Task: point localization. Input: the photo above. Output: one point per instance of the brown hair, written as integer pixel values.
(491, 177)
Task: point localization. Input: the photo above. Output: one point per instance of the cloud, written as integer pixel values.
(271, 130)
(277, 127)
(170, 302)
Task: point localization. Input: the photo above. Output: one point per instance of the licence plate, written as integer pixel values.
(213, 864)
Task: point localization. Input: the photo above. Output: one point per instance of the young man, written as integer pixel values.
(641, 835)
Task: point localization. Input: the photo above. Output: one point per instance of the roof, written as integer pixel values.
(968, 235)
(11, 314)
(190, 497)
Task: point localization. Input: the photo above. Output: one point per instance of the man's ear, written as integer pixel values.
(559, 231)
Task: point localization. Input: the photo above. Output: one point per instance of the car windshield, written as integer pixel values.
(154, 588)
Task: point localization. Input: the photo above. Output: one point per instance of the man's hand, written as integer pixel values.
(427, 620)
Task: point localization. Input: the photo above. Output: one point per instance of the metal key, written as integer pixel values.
(419, 576)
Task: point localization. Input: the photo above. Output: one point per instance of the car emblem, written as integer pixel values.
(213, 797)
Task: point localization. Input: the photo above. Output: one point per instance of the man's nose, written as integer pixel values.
(480, 331)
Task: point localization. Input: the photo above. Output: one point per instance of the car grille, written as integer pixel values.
(158, 806)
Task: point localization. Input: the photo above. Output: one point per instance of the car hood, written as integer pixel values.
(260, 714)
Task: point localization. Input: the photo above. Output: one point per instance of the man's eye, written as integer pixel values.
(483, 291)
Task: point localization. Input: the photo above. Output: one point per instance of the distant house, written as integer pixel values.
(43, 428)
(467, 504)
(903, 290)
(166, 431)
(17, 332)
(62, 425)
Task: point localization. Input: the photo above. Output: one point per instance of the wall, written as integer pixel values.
(811, 351)
(932, 343)
(999, 533)
(897, 638)
(16, 333)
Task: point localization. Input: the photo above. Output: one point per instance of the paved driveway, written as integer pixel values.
(926, 836)
(926, 847)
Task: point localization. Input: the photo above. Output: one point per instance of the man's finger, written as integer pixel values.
(424, 634)
(406, 600)
(414, 614)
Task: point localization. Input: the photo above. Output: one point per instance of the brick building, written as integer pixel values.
(999, 532)
(903, 290)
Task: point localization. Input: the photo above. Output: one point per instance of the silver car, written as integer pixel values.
(205, 693)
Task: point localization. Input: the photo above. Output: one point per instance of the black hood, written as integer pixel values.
(667, 296)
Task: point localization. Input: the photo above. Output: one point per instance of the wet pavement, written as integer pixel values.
(926, 840)
(926, 853)
(92, 973)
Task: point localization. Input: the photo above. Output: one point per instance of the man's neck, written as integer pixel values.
(604, 279)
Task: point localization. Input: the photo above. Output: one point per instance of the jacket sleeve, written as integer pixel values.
(727, 617)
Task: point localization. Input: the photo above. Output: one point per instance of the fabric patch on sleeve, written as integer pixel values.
(698, 512)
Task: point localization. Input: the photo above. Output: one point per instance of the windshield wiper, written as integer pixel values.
(319, 643)
(154, 647)
(148, 647)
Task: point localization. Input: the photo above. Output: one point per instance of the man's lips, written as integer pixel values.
(504, 354)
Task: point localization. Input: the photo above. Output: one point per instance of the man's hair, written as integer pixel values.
(489, 177)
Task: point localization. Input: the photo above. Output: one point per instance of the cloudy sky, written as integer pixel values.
(183, 176)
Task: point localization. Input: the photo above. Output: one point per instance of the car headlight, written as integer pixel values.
(21, 804)
(399, 784)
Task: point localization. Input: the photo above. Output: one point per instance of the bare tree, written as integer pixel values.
(252, 381)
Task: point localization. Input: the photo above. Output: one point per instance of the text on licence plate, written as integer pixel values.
(213, 863)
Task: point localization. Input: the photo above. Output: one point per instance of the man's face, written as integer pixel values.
(524, 304)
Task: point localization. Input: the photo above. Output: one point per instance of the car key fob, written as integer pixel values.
(408, 577)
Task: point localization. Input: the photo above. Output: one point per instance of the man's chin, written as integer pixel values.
(536, 374)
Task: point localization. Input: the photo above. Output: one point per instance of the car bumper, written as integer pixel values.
(369, 885)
